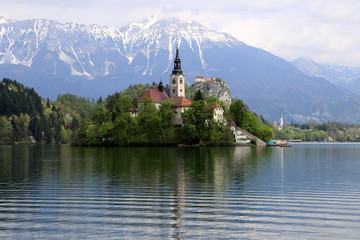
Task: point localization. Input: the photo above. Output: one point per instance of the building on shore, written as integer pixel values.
(202, 79)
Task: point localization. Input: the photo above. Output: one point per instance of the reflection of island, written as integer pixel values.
(215, 167)
(15, 162)
(172, 185)
(178, 205)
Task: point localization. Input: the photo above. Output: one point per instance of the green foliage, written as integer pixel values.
(212, 99)
(135, 91)
(196, 121)
(199, 126)
(249, 121)
(100, 114)
(112, 124)
(81, 105)
(6, 132)
(330, 131)
(31, 117)
(265, 133)
(237, 112)
(198, 96)
(16, 99)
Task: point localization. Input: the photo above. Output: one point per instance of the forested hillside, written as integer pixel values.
(27, 118)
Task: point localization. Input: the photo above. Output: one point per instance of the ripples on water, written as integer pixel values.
(58, 192)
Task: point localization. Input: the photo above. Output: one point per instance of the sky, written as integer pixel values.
(327, 31)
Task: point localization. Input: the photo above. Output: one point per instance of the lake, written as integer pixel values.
(308, 191)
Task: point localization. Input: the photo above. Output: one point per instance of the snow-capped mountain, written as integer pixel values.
(344, 76)
(93, 60)
(96, 51)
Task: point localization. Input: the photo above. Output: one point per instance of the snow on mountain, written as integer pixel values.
(5, 20)
(93, 51)
(344, 76)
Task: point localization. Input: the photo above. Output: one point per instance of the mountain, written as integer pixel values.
(343, 76)
(93, 60)
(75, 56)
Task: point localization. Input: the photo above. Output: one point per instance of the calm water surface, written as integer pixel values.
(309, 191)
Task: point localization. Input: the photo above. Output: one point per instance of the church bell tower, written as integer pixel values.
(177, 79)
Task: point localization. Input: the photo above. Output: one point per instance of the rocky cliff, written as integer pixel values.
(216, 88)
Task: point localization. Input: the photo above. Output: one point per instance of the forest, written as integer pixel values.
(25, 117)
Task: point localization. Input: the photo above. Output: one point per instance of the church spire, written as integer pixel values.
(177, 63)
(177, 79)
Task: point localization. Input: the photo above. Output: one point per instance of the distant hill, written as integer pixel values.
(92, 60)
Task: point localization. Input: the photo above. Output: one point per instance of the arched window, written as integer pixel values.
(181, 80)
(173, 81)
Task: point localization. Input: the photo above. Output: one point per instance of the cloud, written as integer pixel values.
(323, 30)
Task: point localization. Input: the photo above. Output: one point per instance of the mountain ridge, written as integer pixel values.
(343, 76)
(93, 60)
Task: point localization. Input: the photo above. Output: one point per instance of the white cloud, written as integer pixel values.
(326, 31)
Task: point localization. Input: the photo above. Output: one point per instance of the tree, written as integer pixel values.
(149, 122)
(265, 133)
(100, 114)
(216, 100)
(238, 111)
(167, 115)
(196, 121)
(198, 96)
(6, 131)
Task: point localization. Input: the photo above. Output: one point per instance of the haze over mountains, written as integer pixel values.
(92, 60)
(344, 76)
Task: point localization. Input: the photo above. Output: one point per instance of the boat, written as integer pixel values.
(272, 144)
(285, 145)
(278, 144)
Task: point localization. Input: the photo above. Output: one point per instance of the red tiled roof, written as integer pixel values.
(181, 102)
(155, 95)
(213, 105)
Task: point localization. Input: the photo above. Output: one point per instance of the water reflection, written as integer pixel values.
(140, 166)
(178, 193)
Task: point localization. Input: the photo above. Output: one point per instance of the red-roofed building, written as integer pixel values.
(181, 104)
(199, 79)
(156, 95)
(133, 111)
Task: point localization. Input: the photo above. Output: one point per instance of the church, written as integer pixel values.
(177, 94)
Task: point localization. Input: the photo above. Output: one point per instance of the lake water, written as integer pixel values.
(309, 191)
